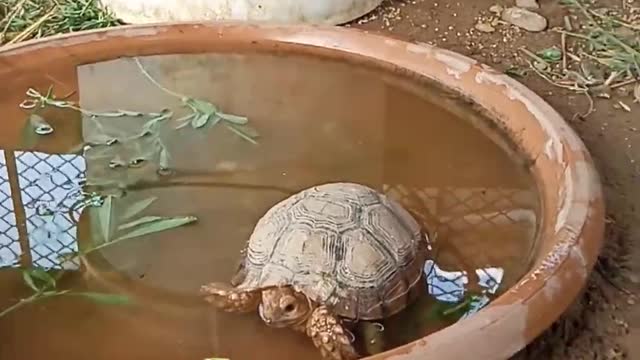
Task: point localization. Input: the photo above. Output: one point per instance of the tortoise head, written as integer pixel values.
(284, 307)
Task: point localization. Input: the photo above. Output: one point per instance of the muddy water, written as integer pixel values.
(318, 122)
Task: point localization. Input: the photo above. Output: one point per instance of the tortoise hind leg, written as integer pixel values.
(329, 336)
(231, 299)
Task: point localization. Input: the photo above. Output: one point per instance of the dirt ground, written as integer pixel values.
(605, 322)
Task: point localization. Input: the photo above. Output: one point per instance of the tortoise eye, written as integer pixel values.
(289, 308)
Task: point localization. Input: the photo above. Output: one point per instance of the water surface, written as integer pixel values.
(318, 121)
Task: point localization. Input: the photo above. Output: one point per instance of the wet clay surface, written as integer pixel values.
(479, 201)
(605, 322)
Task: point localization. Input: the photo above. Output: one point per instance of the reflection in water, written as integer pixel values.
(10, 250)
(50, 191)
(478, 204)
(451, 286)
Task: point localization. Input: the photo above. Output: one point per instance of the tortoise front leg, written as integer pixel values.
(329, 336)
(231, 299)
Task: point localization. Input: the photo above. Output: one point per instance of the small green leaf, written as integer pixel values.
(29, 280)
(141, 221)
(43, 276)
(151, 126)
(202, 106)
(106, 299)
(201, 120)
(35, 275)
(552, 54)
(157, 226)
(235, 119)
(138, 207)
(105, 216)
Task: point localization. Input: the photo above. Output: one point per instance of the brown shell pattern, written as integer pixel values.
(343, 245)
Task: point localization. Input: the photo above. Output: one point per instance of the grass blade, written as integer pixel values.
(242, 133)
(235, 119)
(141, 221)
(157, 226)
(105, 213)
(202, 106)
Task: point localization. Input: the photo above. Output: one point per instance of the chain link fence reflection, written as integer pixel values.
(469, 217)
(49, 192)
(10, 250)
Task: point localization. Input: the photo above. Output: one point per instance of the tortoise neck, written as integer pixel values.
(303, 323)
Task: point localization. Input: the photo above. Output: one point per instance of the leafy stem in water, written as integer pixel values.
(44, 285)
(205, 114)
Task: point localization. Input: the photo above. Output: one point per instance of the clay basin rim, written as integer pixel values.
(572, 226)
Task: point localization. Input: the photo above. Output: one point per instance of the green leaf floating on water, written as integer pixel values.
(106, 299)
(235, 119)
(201, 106)
(29, 280)
(141, 221)
(138, 207)
(38, 279)
(161, 224)
(200, 120)
(105, 215)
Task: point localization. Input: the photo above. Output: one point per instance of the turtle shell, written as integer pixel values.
(343, 245)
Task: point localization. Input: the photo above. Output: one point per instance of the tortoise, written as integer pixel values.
(325, 258)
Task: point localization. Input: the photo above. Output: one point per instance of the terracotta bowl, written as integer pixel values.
(571, 230)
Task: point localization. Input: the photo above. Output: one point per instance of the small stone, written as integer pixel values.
(527, 4)
(525, 19)
(484, 27)
(631, 301)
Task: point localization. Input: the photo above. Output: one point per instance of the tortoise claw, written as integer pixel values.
(329, 336)
(230, 299)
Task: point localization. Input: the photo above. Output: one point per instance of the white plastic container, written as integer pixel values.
(332, 12)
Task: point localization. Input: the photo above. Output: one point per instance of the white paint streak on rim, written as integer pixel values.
(553, 146)
(456, 65)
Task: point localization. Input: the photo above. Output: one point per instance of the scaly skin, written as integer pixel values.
(329, 336)
(230, 299)
(285, 307)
